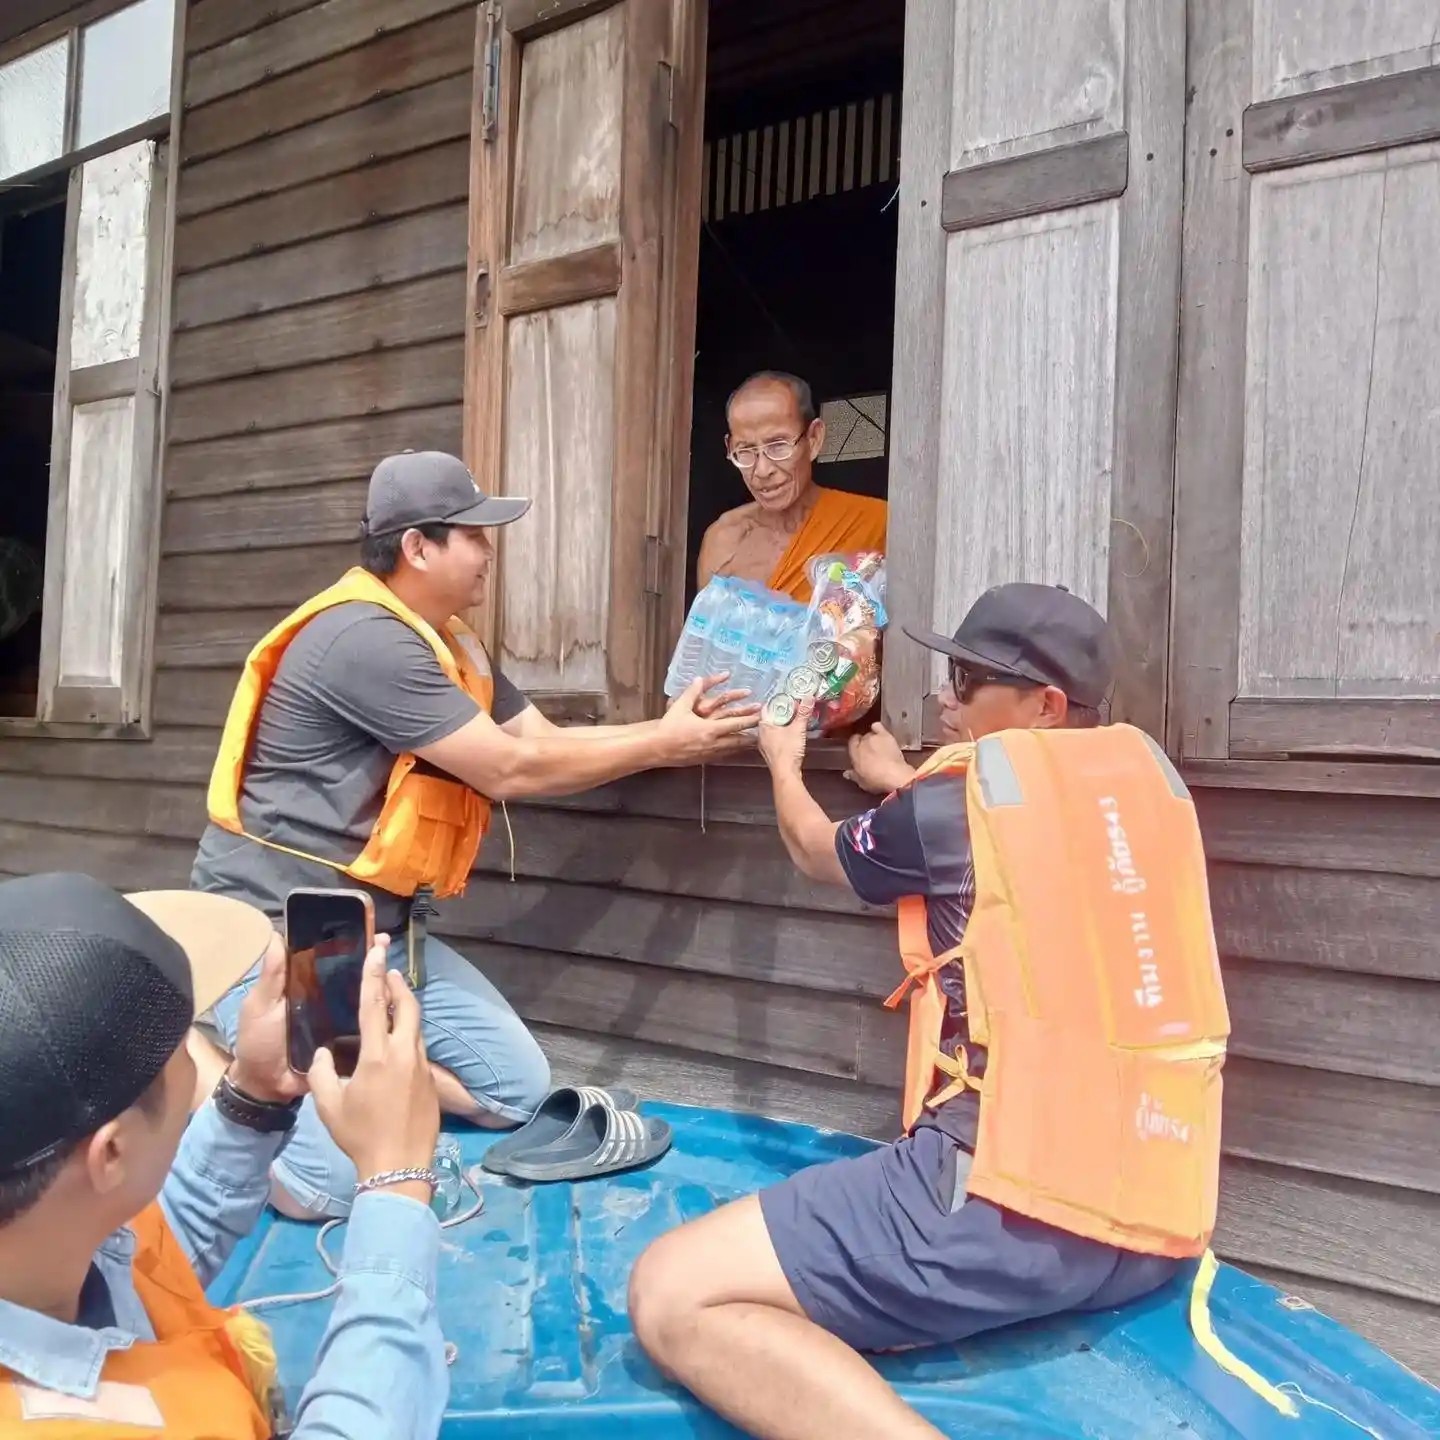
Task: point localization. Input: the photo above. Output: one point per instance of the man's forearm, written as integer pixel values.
(808, 832)
(558, 765)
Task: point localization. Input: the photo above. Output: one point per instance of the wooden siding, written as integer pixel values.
(653, 931)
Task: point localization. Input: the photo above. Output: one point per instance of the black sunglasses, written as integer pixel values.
(965, 680)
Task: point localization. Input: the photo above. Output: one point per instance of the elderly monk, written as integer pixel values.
(774, 437)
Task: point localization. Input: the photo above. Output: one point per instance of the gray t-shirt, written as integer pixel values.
(355, 688)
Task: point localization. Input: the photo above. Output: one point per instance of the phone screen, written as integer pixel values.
(327, 934)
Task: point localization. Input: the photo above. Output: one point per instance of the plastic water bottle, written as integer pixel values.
(695, 639)
(760, 662)
(447, 1165)
(731, 629)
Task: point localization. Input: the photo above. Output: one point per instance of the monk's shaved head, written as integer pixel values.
(769, 379)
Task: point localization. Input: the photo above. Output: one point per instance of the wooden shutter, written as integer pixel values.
(104, 489)
(1032, 420)
(580, 293)
(1307, 601)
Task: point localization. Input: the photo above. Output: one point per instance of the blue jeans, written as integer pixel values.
(469, 1029)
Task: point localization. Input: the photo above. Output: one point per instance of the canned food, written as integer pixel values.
(802, 683)
(779, 710)
(824, 655)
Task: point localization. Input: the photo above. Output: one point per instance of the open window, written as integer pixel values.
(83, 181)
(667, 195)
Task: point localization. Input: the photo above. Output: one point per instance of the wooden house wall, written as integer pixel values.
(653, 931)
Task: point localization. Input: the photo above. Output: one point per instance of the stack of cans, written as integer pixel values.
(822, 676)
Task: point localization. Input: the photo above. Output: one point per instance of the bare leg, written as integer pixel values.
(712, 1308)
(456, 1100)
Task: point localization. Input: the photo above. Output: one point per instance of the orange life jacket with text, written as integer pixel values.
(430, 827)
(208, 1375)
(1091, 978)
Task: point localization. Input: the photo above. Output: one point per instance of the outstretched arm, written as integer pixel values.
(808, 832)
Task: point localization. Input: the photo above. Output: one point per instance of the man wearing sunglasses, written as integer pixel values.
(775, 436)
(763, 1309)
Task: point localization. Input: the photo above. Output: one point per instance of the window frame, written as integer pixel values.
(69, 716)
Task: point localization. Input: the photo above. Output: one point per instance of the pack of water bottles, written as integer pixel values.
(739, 628)
(785, 654)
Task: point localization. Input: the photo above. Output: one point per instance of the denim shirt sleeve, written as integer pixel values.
(381, 1369)
(217, 1187)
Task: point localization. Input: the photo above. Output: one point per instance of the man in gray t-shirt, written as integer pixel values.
(358, 686)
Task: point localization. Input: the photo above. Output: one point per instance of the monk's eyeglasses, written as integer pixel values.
(777, 452)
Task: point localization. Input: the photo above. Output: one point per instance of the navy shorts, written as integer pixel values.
(886, 1252)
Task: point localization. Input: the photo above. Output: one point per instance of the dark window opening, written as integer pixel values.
(799, 231)
(32, 250)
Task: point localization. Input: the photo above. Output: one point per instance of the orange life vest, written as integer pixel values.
(430, 827)
(198, 1378)
(1092, 980)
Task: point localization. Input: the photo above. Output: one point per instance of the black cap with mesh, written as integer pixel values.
(95, 998)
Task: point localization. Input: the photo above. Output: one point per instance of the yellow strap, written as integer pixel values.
(961, 1080)
(1214, 1347)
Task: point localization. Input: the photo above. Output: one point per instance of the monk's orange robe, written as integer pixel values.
(839, 524)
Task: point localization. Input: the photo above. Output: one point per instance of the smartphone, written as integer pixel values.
(327, 936)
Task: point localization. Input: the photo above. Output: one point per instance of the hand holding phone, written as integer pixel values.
(388, 1117)
(327, 936)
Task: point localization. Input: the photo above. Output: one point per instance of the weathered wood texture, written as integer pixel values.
(1306, 514)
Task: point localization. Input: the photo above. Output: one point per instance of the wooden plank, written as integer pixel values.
(563, 280)
(115, 859)
(125, 809)
(1408, 728)
(271, 519)
(534, 18)
(647, 155)
(1055, 178)
(213, 22)
(1210, 436)
(1407, 1330)
(409, 379)
(344, 264)
(1365, 924)
(916, 414)
(211, 639)
(413, 313)
(349, 450)
(1342, 832)
(173, 755)
(1147, 339)
(355, 78)
(298, 40)
(798, 1030)
(1327, 777)
(114, 380)
(254, 579)
(686, 1077)
(1032, 311)
(829, 953)
(1340, 523)
(1026, 72)
(374, 193)
(665, 857)
(194, 697)
(1359, 1025)
(395, 125)
(1336, 1124)
(1343, 120)
(1373, 1236)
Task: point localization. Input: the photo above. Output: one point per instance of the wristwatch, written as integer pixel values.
(267, 1117)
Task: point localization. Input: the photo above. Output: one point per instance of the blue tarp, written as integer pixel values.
(532, 1296)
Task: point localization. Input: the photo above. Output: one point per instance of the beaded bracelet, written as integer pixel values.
(399, 1177)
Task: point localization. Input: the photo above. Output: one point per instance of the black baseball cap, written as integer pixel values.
(1034, 632)
(428, 487)
(97, 991)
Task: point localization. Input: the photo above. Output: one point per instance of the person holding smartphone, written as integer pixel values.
(368, 737)
(117, 1207)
